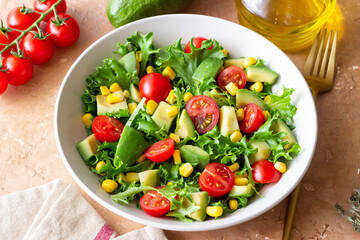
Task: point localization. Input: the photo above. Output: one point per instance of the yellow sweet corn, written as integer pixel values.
(266, 115)
(151, 105)
(225, 51)
(86, 119)
(249, 61)
(109, 185)
(126, 94)
(172, 111)
(141, 159)
(138, 67)
(150, 69)
(214, 211)
(171, 97)
(186, 169)
(281, 167)
(257, 87)
(169, 73)
(232, 88)
(187, 96)
(235, 136)
(174, 137)
(99, 165)
(138, 56)
(233, 204)
(177, 156)
(132, 177)
(267, 99)
(115, 87)
(234, 167)
(240, 114)
(170, 183)
(121, 177)
(104, 90)
(132, 107)
(114, 98)
(241, 181)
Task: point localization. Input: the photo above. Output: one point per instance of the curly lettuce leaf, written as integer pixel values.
(281, 104)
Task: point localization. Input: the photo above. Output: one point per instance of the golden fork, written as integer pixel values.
(320, 79)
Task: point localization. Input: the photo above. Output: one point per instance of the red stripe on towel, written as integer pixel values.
(104, 233)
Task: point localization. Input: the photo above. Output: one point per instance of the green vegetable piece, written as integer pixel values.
(244, 97)
(150, 178)
(219, 98)
(88, 147)
(129, 62)
(228, 122)
(239, 62)
(121, 12)
(135, 93)
(185, 127)
(258, 73)
(241, 191)
(200, 199)
(195, 156)
(130, 147)
(104, 107)
(208, 68)
(280, 126)
(263, 152)
(161, 118)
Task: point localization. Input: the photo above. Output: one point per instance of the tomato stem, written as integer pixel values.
(24, 32)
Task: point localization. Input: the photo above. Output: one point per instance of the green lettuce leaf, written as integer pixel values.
(282, 104)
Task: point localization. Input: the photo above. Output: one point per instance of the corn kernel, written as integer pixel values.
(115, 87)
(132, 107)
(232, 88)
(138, 67)
(249, 61)
(267, 115)
(187, 96)
(240, 114)
(169, 73)
(234, 167)
(237, 174)
(86, 119)
(109, 185)
(104, 90)
(99, 165)
(235, 136)
(280, 166)
(121, 178)
(138, 56)
(186, 169)
(132, 177)
(267, 99)
(241, 181)
(150, 69)
(170, 183)
(224, 51)
(172, 111)
(141, 159)
(257, 87)
(177, 156)
(175, 137)
(233, 204)
(214, 211)
(126, 94)
(151, 105)
(114, 98)
(171, 97)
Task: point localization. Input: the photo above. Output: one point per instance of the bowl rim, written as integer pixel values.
(188, 228)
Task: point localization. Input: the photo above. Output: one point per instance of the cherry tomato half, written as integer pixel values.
(232, 74)
(203, 112)
(155, 86)
(66, 34)
(265, 172)
(6, 39)
(3, 82)
(253, 119)
(43, 6)
(39, 51)
(216, 179)
(155, 204)
(160, 151)
(18, 20)
(20, 70)
(197, 41)
(107, 129)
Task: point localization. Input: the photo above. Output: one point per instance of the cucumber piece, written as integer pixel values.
(185, 127)
(239, 62)
(244, 97)
(208, 68)
(200, 199)
(241, 191)
(228, 122)
(129, 62)
(161, 118)
(195, 155)
(281, 126)
(88, 147)
(135, 93)
(104, 107)
(256, 73)
(263, 152)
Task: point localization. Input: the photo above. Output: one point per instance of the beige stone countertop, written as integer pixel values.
(29, 156)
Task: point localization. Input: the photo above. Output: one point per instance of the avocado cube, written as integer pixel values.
(88, 147)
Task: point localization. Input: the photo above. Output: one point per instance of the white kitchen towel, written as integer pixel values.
(57, 211)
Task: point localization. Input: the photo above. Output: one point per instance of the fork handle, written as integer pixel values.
(294, 198)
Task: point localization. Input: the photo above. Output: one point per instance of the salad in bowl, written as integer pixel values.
(186, 131)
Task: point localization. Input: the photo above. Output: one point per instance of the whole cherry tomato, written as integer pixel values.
(21, 18)
(4, 79)
(19, 70)
(6, 38)
(264, 172)
(39, 50)
(43, 6)
(155, 86)
(65, 33)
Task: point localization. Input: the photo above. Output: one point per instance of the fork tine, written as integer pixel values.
(318, 57)
(325, 56)
(310, 59)
(331, 66)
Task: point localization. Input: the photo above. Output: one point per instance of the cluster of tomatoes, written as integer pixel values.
(36, 46)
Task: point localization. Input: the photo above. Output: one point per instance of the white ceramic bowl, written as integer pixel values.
(239, 41)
